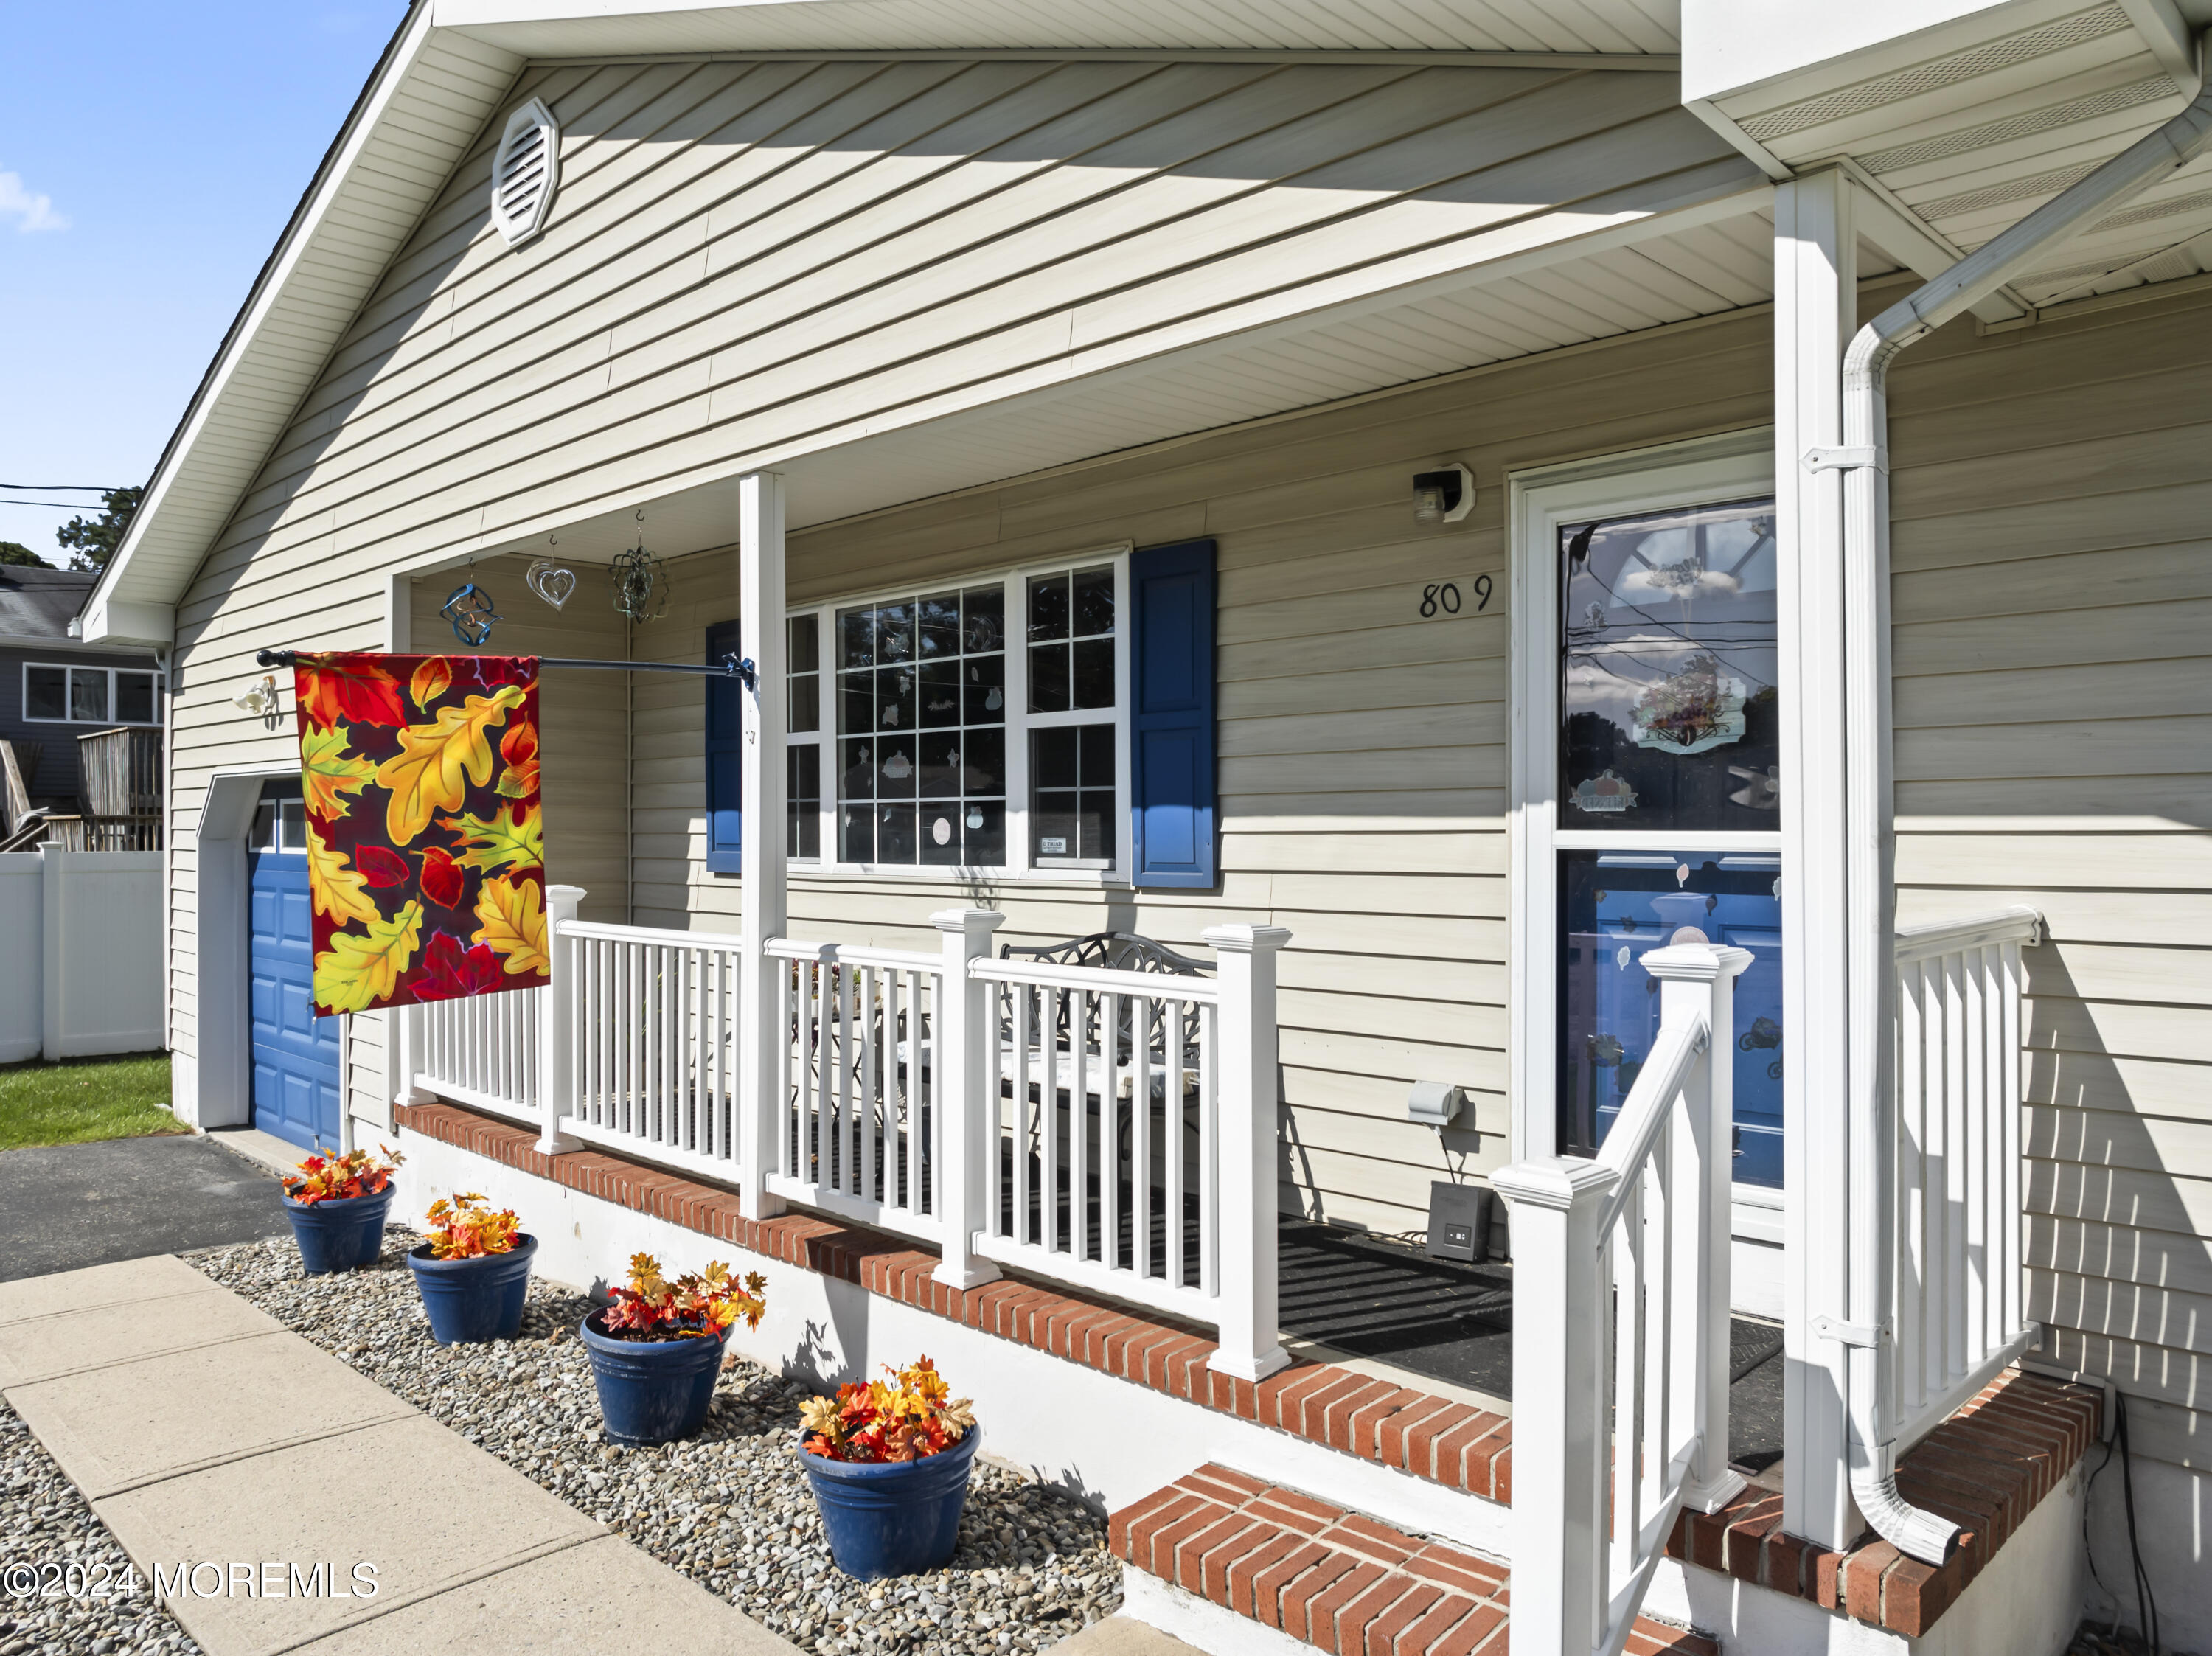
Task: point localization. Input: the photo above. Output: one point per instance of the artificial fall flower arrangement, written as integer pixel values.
(337, 1177)
(467, 1227)
(913, 1415)
(699, 1307)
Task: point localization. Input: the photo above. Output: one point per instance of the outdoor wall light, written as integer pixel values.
(1443, 496)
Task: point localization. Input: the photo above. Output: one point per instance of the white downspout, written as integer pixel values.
(1864, 460)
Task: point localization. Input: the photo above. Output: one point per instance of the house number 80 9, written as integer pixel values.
(1442, 598)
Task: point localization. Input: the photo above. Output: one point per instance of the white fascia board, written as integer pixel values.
(121, 621)
(137, 592)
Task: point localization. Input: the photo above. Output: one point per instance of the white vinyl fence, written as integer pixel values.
(82, 950)
(1112, 1128)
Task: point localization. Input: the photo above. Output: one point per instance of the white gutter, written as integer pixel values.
(1864, 460)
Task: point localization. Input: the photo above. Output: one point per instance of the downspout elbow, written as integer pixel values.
(1912, 1531)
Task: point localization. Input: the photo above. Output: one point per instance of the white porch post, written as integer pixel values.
(762, 854)
(962, 1092)
(557, 1083)
(1562, 1303)
(1244, 1137)
(1815, 313)
(1700, 982)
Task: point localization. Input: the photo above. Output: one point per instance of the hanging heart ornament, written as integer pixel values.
(555, 583)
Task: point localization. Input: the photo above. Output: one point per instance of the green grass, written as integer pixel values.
(79, 1099)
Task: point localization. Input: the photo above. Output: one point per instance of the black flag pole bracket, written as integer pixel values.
(730, 666)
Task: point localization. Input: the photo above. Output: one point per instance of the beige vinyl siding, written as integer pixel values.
(743, 253)
(1362, 757)
(2052, 589)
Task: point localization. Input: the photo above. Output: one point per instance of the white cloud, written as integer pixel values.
(31, 212)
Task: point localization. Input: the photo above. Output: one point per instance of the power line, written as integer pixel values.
(66, 505)
(70, 489)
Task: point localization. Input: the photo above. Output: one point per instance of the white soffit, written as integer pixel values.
(1977, 118)
(570, 28)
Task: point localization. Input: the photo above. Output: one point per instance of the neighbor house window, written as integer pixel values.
(91, 695)
(972, 727)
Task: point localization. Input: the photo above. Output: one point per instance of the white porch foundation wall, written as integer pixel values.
(2023, 1604)
(1109, 1442)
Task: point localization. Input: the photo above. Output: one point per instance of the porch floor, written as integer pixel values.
(1370, 1297)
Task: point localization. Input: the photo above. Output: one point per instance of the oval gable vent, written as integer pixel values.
(524, 173)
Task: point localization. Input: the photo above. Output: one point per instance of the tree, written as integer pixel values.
(15, 552)
(92, 540)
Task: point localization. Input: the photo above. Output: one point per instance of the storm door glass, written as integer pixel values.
(1667, 739)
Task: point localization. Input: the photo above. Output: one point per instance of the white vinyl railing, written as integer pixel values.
(647, 1040)
(1111, 1129)
(1103, 1130)
(1620, 1326)
(1957, 1315)
(482, 1052)
(857, 1135)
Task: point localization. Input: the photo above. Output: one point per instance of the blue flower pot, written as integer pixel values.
(474, 1300)
(652, 1390)
(343, 1235)
(892, 1518)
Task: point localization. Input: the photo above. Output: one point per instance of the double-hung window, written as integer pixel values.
(1052, 721)
(90, 695)
(977, 725)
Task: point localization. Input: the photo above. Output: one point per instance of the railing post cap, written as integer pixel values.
(1245, 939)
(1695, 962)
(974, 921)
(574, 894)
(1554, 1181)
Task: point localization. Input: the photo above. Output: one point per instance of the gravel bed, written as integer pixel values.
(45, 1522)
(730, 1508)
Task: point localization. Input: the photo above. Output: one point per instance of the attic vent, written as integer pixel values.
(524, 173)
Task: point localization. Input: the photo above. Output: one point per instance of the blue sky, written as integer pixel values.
(149, 155)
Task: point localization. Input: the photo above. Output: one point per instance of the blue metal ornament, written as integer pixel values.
(470, 611)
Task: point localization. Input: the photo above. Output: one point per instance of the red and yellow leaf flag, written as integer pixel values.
(425, 829)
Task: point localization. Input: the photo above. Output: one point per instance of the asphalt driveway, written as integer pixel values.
(64, 1206)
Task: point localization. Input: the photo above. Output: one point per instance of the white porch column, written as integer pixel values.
(556, 1080)
(763, 854)
(1245, 1092)
(1815, 313)
(963, 1094)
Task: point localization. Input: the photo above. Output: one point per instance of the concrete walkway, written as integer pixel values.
(63, 1206)
(204, 1433)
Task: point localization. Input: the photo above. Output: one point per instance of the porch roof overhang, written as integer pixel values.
(1967, 115)
(1665, 249)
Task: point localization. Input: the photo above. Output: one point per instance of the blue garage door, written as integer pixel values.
(295, 1054)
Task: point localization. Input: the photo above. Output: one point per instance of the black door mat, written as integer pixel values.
(1372, 1297)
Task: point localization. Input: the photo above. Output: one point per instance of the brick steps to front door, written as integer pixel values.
(1335, 1580)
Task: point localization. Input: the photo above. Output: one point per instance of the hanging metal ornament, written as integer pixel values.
(641, 584)
(554, 583)
(470, 610)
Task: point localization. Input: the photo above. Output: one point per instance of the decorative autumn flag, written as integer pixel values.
(426, 850)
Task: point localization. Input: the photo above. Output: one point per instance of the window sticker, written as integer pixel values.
(1607, 795)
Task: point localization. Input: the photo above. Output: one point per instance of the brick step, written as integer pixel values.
(1332, 1579)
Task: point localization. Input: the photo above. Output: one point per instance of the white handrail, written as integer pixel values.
(1620, 1337)
(1096, 980)
(2016, 925)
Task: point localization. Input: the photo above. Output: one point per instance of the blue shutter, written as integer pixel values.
(726, 741)
(1171, 722)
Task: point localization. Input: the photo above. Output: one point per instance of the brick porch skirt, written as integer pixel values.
(1985, 1468)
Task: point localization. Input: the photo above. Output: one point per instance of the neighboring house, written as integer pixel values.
(1368, 497)
(56, 686)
